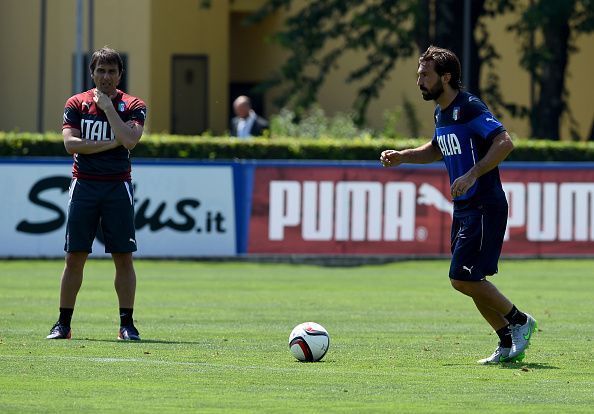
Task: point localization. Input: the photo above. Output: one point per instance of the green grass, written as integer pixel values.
(215, 340)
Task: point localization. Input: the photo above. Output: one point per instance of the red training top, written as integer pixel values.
(82, 113)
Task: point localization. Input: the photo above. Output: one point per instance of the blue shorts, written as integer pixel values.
(104, 206)
(477, 239)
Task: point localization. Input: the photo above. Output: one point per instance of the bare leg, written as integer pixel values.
(125, 279)
(495, 319)
(484, 293)
(72, 278)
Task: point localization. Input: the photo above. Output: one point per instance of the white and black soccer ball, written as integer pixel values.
(309, 342)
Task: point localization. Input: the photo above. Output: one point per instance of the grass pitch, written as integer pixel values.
(215, 340)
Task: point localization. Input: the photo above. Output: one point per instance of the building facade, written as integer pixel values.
(188, 59)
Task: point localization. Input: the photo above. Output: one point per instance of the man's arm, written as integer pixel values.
(74, 144)
(421, 155)
(500, 149)
(126, 133)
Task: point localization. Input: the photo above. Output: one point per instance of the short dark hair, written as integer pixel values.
(446, 61)
(108, 56)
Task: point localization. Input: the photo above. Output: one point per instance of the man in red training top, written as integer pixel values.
(100, 128)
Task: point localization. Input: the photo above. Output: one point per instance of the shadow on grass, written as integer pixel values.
(313, 362)
(526, 365)
(144, 341)
(510, 365)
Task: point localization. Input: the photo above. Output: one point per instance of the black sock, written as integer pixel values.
(515, 317)
(65, 316)
(126, 317)
(504, 334)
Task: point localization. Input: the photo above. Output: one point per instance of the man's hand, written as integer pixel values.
(102, 100)
(424, 154)
(126, 133)
(462, 184)
(76, 145)
(391, 158)
(500, 149)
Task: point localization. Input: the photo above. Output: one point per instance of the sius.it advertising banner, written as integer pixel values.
(180, 210)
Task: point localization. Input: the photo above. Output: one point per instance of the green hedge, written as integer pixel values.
(170, 146)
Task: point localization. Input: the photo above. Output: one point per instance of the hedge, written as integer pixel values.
(221, 148)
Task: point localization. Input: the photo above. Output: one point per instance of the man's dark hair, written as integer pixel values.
(106, 56)
(446, 61)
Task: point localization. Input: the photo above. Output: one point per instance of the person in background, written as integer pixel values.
(246, 122)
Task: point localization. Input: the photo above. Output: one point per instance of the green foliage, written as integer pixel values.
(412, 120)
(391, 122)
(31, 144)
(215, 340)
(314, 124)
(540, 17)
(401, 121)
(317, 34)
(223, 148)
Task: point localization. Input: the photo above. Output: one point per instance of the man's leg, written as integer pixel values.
(125, 279)
(502, 328)
(497, 310)
(72, 277)
(125, 285)
(473, 257)
(485, 293)
(494, 318)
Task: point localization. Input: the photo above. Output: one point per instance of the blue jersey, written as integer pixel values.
(464, 132)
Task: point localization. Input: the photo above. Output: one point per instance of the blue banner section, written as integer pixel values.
(243, 178)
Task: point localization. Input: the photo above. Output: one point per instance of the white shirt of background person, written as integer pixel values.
(244, 126)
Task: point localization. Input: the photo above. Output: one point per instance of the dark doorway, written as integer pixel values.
(189, 94)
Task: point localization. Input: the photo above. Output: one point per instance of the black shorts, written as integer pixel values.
(477, 239)
(108, 205)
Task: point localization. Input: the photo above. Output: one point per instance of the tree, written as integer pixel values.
(449, 33)
(557, 23)
(383, 29)
(318, 34)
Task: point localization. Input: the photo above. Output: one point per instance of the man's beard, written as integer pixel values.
(434, 93)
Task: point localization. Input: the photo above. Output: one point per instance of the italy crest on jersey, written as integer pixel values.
(456, 113)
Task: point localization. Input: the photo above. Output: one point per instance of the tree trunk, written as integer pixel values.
(421, 27)
(449, 33)
(550, 104)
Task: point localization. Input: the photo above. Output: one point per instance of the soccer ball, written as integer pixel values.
(309, 342)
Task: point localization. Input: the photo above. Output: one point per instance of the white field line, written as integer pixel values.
(146, 361)
(136, 360)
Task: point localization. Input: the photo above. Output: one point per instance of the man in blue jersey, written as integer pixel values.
(472, 143)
